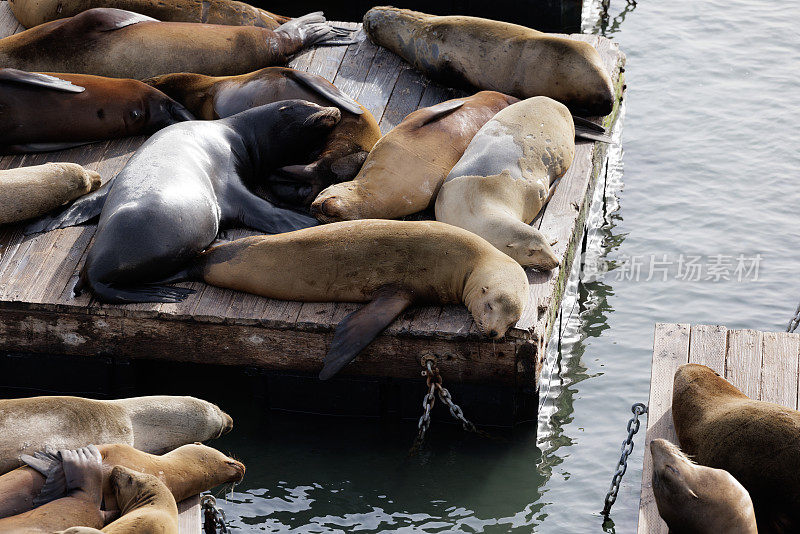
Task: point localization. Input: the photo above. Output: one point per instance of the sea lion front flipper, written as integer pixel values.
(43, 147)
(346, 167)
(361, 327)
(261, 215)
(49, 465)
(324, 88)
(39, 80)
(106, 19)
(586, 129)
(82, 210)
(436, 112)
(312, 29)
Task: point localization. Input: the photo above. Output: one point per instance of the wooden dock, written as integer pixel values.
(38, 313)
(764, 365)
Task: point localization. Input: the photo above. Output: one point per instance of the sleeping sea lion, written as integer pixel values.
(504, 178)
(186, 471)
(389, 264)
(36, 423)
(49, 111)
(124, 44)
(28, 192)
(31, 13)
(696, 499)
(757, 442)
(489, 54)
(82, 479)
(146, 504)
(339, 159)
(407, 166)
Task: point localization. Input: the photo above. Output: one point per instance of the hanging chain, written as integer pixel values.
(213, 517)
(795, 321)
(622, 465)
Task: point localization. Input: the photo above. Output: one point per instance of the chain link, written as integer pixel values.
(622, 465)
(795, 321)
(213, 518)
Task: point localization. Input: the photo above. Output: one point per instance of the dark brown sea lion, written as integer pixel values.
(36, 423)
(49, 111)
(124, 44)
(31, 13)
(342, 154)
(83, 479)
(186, 471)
(407, 166)
(696, 499)
(489, 54)
(389, 264)
(757, 442)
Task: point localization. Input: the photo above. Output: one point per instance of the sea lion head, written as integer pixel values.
(157, 111)
(495, 294)
(530, 248)
(695, 498)
(217, 468)
(584, 78)
(338, 202)
(133, 488)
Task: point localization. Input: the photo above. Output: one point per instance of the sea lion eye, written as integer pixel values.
(489, 306)
(135, 114)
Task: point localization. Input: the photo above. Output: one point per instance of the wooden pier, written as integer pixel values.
(764, 365)
(38, 313)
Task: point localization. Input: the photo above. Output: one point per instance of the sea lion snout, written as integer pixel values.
(227, 424)
(328, 208)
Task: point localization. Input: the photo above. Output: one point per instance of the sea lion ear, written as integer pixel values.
(484, 289)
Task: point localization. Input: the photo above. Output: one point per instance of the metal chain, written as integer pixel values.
(213, 518)
(795, 321)
(622, 465)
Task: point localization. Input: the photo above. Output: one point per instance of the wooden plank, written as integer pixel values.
(670, 350)
(8, 23)
(708, 346)
(780, 353)
(743, 367)
(189, 516)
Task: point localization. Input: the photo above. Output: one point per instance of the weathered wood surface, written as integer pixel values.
(39, 314)
(764, 365)
(189, 517)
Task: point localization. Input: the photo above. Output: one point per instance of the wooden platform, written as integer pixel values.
(764, 365)
(39, 314)
(190, 519)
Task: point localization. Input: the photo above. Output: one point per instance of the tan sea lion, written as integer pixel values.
(389, 264)
(147, 506)
(29, 192)
(186, 471)
(407, 166)
(339, 159)
(504, 177)
(31, 13)
(124, 44)
(83, 478)
(696, 499)
(489, 54)
(53, 111)
(757, 442)
(153, 424)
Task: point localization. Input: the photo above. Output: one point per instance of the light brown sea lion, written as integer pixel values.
(489, 54)
(154, 424)
(694, 499)
(29, 192)
(31, 13)
(187, 471)
(147, 506)
(124, 44)
(389, 264)
(339, 159)
(504, 177)
(407, 166)
(52, 111)
(757, 442)
(83, 480)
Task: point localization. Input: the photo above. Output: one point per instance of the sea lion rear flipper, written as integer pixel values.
(358, 329)
(49, 465)
(82, 210)
(324, 88)
(39, 80)
(143, 293)
(438, 111)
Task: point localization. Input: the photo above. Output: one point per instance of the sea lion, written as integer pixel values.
(83, 479)
(124, 44)
(757, 442)
(29, 192)
(489, 54)
(339, 159)
(407, 166)
(504, 177)
(147, 506)
(153, 424)
(186, 471)
(31, 13)
(174, 195)
(49, 111)
(389, 264)
(696, 499)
